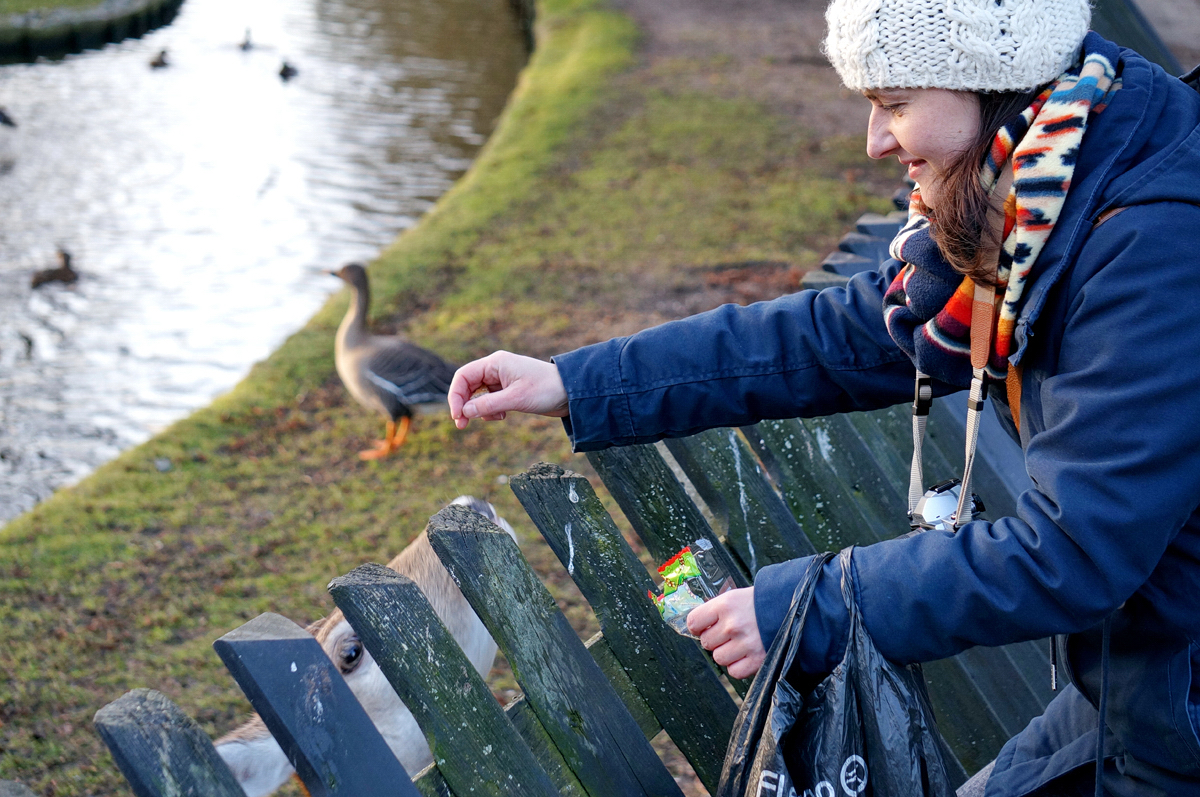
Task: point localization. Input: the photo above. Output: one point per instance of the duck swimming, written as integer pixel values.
(159, 61)
(388, 374)
(64, 273)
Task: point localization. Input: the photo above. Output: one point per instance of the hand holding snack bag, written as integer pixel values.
(690, 578)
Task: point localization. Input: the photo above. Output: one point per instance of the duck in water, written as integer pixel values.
(287, 71)
(388, 374)
(64, 273)
(159, 61)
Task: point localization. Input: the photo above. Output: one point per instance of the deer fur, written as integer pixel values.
(257, 760)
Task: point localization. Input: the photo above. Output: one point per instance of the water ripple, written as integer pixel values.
(202, 201)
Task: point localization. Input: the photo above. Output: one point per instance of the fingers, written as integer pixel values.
(509, 382)
(491, 406)
(739, 656)
(467, 380)
(728, 627)
(701, 618)
(746, 667)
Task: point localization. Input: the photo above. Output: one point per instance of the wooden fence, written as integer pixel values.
(773, 491)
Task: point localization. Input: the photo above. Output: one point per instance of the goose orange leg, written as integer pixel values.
(382, 447)
(396, 435)
(402, 434)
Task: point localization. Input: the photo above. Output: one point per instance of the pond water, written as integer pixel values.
(203, 202)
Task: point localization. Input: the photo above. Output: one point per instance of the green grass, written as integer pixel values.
(598, 203)
(21, 6)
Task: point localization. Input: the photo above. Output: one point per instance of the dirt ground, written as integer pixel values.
(770, 50)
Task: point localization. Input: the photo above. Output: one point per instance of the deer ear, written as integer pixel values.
(255, 759)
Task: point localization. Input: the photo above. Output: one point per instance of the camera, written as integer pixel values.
(937, 507)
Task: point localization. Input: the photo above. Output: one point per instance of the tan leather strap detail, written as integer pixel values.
(1108, 214)
(1012, 384)
(983, 324)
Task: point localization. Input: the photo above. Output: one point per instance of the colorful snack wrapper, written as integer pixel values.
(690, 577)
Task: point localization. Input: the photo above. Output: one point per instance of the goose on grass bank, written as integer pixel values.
(389, 374)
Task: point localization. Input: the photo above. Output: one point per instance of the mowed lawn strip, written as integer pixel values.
(8, 7)
(610, 197)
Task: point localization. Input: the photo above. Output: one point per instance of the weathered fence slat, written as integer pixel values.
(725, 472)
(1008, 695)
(159, 749)
(811, 488)
(308, 708)
(599, 739)
(431, 784)
(476, 748)
(619, 679)
(860, 475)
(670, 671)
(657, 505)
(525, 721)
(887, 434)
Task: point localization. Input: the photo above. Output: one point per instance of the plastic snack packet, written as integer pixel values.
(689, 579)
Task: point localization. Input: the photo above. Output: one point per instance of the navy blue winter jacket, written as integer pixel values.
(1109, 343)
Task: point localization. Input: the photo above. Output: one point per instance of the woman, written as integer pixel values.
(1064, 173)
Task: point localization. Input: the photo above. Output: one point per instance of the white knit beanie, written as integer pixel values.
(968, 45)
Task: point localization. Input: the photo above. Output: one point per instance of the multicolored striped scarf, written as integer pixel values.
(928, 306)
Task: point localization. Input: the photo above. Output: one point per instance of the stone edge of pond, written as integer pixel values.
(55, 32)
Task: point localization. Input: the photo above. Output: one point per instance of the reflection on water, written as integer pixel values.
(202, 201)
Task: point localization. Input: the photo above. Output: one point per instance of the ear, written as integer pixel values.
(255, 758)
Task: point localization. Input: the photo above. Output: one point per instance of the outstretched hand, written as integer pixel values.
(514, 383)
(727, 626)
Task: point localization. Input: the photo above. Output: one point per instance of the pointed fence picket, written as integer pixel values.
(310, 710)
(160, 750)
(438, 683)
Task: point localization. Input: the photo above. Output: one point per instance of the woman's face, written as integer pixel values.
(926, 129)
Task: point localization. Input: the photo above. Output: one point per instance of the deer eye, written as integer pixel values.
(350, 653)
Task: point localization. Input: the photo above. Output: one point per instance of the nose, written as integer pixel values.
(880, 141)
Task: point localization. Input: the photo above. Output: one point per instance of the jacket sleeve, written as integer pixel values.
(805, 354)
(1115, 461)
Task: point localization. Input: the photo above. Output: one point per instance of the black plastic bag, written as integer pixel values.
(866, 730)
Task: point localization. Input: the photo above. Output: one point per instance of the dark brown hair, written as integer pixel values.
(961, 226)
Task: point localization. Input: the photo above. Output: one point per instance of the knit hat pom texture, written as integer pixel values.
(964, 45)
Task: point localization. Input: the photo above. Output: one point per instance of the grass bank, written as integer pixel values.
(613, 195)
(21, 6)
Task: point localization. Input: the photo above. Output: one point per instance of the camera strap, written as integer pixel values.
(983, 331)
